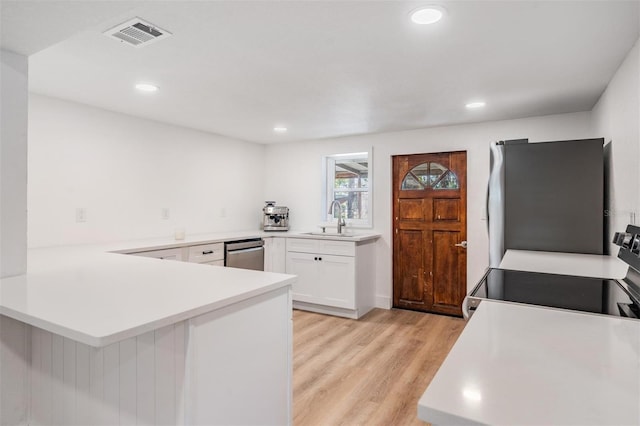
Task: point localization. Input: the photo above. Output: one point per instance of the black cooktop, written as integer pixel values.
(602, 296)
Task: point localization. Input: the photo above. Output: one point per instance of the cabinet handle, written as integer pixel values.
(208, 252)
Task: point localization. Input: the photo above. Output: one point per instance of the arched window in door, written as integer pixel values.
(430, 175)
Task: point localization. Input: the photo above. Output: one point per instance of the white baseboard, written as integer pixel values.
(327, 310)
(383, 302)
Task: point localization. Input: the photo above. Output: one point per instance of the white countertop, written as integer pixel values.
(189, 240)
(95, 297)
(347, 236)
(518, 364)
(583, 265)
(162, 243)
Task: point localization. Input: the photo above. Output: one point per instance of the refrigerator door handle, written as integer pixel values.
(495, 205)
(486, 206)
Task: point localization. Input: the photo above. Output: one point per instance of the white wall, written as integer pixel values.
(124, 170)
(617, 118)
(294, 176)
(13, 164)
(14, 342)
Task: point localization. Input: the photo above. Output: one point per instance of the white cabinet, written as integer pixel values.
(323, 279)
(208, 254)
(275, 254)
(167, 254)
(334, 277)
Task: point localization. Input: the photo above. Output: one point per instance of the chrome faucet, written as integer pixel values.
(341, 222)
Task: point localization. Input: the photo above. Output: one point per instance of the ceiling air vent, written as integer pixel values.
(137, 33)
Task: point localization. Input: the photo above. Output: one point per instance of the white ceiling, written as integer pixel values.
(325, 68)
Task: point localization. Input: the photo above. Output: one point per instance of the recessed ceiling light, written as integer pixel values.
(146, 87)
(280, 129)
(427, 15)
(474, 105)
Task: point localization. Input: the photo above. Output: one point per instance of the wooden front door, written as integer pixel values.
(430, 232)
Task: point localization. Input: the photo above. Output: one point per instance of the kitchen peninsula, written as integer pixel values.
(94, 337)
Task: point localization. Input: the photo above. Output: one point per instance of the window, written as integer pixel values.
(348, 181)
(430, 175)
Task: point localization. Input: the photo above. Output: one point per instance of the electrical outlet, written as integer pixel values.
(166, 214)
(81, 215)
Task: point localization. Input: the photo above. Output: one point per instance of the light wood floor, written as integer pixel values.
(366, 372)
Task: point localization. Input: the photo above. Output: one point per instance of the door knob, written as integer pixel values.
(462, 244)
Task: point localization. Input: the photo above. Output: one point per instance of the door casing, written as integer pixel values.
(429, 225)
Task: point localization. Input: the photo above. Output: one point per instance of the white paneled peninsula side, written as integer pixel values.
(93, 337)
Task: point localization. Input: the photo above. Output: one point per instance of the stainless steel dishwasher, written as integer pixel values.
(245, 254)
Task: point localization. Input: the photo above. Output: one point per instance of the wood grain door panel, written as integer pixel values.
(411, 286)
(411, 210)
(446, 209)
(446, 271)
(429, 270)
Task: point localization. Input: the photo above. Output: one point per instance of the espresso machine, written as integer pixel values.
(275, 218)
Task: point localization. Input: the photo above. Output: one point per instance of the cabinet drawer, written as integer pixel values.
(205, 253)
(307, 245)
(167, 254)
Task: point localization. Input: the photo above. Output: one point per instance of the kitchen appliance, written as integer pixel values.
(275, 218)
(245, 254)
(541, 195)
(595, 295)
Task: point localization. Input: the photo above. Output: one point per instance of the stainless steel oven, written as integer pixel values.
(245, 254)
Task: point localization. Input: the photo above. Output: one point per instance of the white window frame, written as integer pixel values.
(328, 170)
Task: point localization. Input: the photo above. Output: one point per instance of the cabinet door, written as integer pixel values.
(323, 279)
(268, 254)
(337, 281)
(279, 257)
(306, 267)
(275, 255)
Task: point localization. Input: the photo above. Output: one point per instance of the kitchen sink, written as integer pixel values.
(328, 234)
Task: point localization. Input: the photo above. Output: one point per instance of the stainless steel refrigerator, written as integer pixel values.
(546, 196)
